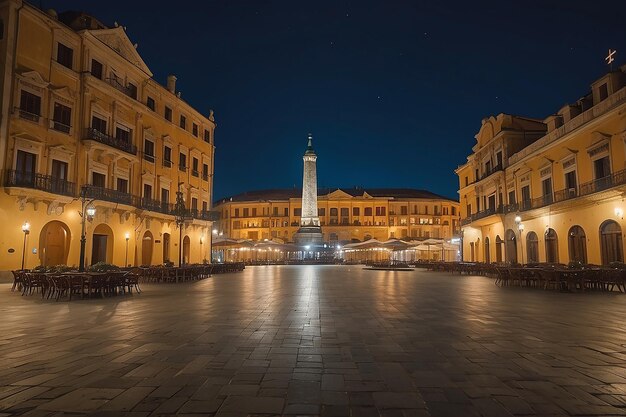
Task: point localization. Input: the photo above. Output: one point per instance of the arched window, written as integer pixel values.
(487, 252)
(552, 247)
(510, 244)
(334, 211)
(499, 243)
(577, 245)
(532, 247)
(611, 242)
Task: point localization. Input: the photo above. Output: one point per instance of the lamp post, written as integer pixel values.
(180, 215)
(87, 212)
(213, 233)
(26, 230)
(520, 227)
(127, 236)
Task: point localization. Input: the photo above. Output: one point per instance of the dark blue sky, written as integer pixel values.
(393, 91)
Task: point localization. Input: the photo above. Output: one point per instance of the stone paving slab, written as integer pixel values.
(316, 341)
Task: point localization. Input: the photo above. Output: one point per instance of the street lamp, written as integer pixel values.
(127, 236)
(87, 213)
(180, 215)
(520, 227)
(213, 233)
(26, 230)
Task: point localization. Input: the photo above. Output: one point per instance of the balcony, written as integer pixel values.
(482, 214)
(107, 194)
(24, 114)
(490, 171)
(126, 90)
(61, 127)
(41, 182)
(94, 134)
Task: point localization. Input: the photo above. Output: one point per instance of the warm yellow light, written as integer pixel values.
(91, 211)
(518, 219)
(521, 227)
(26, 227)
(619, 212)
(127, 235)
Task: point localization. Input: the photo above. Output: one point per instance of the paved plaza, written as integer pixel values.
(316, 341)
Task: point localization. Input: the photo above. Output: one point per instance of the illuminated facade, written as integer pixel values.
(81, 115)
(345, 214)
(549, 190)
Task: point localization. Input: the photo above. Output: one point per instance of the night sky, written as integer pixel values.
(393, 91)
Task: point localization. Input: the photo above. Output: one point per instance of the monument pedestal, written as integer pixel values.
(309, 236)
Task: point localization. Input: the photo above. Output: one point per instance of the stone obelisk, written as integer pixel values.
(310, 232)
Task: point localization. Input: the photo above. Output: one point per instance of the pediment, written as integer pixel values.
(34, 78)
(339, 194)
(117, 40)
(64, 91)
(366, 195)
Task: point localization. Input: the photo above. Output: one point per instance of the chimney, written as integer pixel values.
(171, 83)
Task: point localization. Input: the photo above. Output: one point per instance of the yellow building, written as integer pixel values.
(345, 214)
(549, 190)
(81, 115)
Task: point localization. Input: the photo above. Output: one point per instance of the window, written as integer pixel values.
(253, 211)
(30, 106)
(525, 197)
(194, 203)
(512, 197)
(356, 211)
(99, 124)
(205, 172)
(147, 191)
(183, 122)
(404, 210)
(577, 245)
(275, 211)
(611, 246)
(236, 213)
(167, 156)
(604, 91)
(97, 70)
(205, 206)
(65, 55)
(168, 114)
(148, 150)
(62, 118)
(165, 196)
(532, 247)
(132, 90)
(246, 212)
(123, 134)
(546, 187)
(297, 212)
(194, 129)
(381, 211)
(286, 212)
(571, 186)
(98, 179)
(345, 212)
(466, 181)
(334, 212)
(321, 212)
(150, 103)
(454, 211)
(368, 211)
(122, 185)
(602, 167)
(552, 252)
(182, 161)
(207, 135)
(59, 170)
(194, 167)
(25, 166)
(499, 159)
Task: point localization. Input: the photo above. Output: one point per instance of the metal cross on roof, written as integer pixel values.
(610, 57)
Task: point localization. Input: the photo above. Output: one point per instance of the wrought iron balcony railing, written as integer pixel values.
(108, 194)
(41, 182)
(25, 114)
(94, 134)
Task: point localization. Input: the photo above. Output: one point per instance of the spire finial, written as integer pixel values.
(310, 144)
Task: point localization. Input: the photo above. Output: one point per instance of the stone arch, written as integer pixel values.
(54, 243)
(510, 245)
(532, 247)
(552, 246)
(577, 244)
(611, 245)
(147, 245)
(186, 249)
(102, 244)
(166, 247)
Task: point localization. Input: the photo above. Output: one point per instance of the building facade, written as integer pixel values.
(549, 190)
(83, 117)
(345, 214)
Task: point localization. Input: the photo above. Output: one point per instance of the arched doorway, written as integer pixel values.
(552, 246)
(532, 247)
(487, 252)
(186, 249)
(102, 244)
(146, 248)
(499, 243)
(577, 245)
(166, 247)
(54, 243)
(510, 244)
(611, 247)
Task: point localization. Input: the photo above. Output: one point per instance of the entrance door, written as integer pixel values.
(146, 249)
(99, 249)
(54, 244)
(166, 247)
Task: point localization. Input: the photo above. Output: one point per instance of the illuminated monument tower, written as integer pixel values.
(310, 232)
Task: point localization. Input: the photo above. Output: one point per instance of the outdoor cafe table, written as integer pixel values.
(86, 279)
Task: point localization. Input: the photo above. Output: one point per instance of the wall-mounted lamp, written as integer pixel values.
(619, 212)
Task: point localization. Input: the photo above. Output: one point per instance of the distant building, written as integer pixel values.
(345, 215)
(549, 190)
(82, 115)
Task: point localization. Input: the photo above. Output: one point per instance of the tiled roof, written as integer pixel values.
(287, 193)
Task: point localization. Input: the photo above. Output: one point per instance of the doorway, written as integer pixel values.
(54, 244)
